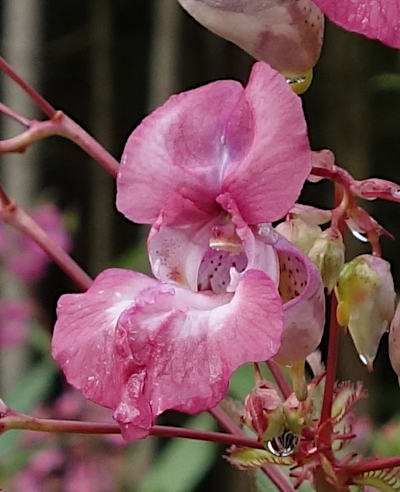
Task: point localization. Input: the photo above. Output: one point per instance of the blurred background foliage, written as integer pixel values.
(107, 63)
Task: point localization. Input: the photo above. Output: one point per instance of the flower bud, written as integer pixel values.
(366, 295)
(394, 342)
(327, 253)
(299, 232)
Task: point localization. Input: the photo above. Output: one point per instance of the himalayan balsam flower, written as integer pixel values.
(288, 34)
(15, 318)
(206, 169)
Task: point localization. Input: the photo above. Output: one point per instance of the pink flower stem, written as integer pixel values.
(325, 436)
(13, 115)
(273, 472)
(35, 96)
(26, 422)
(280, 379)
(12, 214)
(62, 125)
(372, 465)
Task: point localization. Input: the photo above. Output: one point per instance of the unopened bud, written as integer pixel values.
(327, 253)
(299, 233)
(366, 295)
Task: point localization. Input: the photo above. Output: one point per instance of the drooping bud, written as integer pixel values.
(394, 342)
(288, 35)
(299, 232)
(328, 254)
(263, 409)
(366, 295)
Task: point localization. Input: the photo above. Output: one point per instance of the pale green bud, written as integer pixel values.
(327, 253)
(366, 297)
(300, 233)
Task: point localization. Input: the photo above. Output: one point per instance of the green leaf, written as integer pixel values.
(386, 480)
(250, 458)
(134, 259)
(182, 463)
(386, 82)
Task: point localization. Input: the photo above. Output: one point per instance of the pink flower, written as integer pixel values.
(205, 169)
(15, 317)
(288, 34)
(24, 257)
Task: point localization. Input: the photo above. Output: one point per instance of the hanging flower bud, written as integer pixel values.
(366, 295)
(394, 342)
(328, 254)
(299, 232)
(288, 35)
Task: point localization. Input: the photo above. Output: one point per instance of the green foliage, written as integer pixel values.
(182, 463)
(386, 480)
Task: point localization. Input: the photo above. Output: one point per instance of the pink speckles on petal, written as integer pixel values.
(293, 277)
(376, 19)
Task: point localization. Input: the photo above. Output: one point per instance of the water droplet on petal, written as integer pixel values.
(395, 192)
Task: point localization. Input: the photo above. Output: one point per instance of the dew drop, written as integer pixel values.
(283, 445)
(395, 192)
(363, 359)
(359, 235)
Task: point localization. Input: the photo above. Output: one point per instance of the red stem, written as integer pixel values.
(15, 216)
(273, 472)
(280, 379)
(35, 96)
(371, 465)
(13, 115)
(77, 427)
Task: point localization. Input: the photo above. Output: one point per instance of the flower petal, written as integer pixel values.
(376, 19)
(177, 150)
(304, 303)
(286, 34)
(160, 347)
(267, 182)
(83, 337)
(253, 145)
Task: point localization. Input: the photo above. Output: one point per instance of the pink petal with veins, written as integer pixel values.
(252, 144)
(141, 347)
(376, 19)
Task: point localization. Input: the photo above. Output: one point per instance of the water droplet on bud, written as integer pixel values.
(283, 445)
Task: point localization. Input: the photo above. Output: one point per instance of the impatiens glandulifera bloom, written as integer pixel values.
(21, 255)
(285, 33)
(366, 296)
(204, 169)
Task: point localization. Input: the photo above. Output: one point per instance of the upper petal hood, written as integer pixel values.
(376, 19)
(141, 347)
(219, 138)
(286, 34)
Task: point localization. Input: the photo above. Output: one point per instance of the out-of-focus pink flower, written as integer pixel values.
(286, 34)
(24, 257)
(42, 464)
(88, 475)
(15, 316)
(205, 169)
